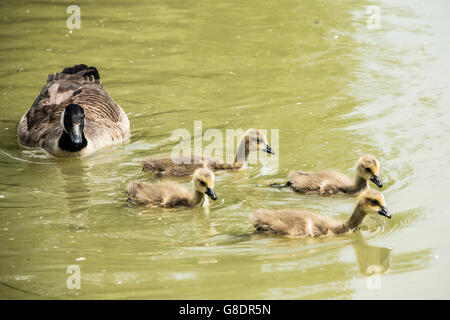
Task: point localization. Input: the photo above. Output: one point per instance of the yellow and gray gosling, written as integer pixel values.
(308, 224)
(332, 182)
(169, 194)
(73, 116)
(252, 140)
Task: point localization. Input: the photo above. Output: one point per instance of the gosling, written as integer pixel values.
(332, 182)
(307, 224)
(168, 194)
(252, 140)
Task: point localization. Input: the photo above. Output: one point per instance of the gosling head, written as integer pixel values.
(368, 168)
(204, 182)
(257, 141)
(372, 201)
(73, 122)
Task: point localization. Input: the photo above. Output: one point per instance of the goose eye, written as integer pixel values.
(203, 183)
(375, 202)
(368, 170)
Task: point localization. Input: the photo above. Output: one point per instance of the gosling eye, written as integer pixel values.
(368, 170)
(258, 140)
(375, 202)
(203, 183)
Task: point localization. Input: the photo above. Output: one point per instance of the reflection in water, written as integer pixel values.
(74, 173)
(311, 257)
(415, 260)
(203, 225)
(371, 259)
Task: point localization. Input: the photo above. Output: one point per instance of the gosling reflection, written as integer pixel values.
(371, 259)
(204, 228)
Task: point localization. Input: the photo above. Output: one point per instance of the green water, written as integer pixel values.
(334, 89)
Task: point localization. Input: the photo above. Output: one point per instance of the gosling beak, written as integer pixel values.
(75, 134)
(376, 179)
(384, 212)
(210, 192)
(268, 149)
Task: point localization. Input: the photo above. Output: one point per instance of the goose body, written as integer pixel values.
(73, 115)
(184, 166)
(169, 194)
(252, 139)
(308, 224)
(332, 182)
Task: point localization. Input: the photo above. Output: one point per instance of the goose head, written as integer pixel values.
(372, 201)
(257, 141)
(73, 122)
(203, 180)
(252, 140)
(368, 168)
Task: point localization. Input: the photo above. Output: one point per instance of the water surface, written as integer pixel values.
(334, 89)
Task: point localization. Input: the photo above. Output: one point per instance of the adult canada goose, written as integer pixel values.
(73, 115)
(168, 194)
(303, 223)
(332, 182)
(252, 140)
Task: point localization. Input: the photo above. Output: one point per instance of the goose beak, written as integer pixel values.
(384, 212)
(75, 134)
(210, 192)
(376, 179)
(268, 149)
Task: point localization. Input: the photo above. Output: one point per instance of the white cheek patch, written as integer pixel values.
(76, 129)
(62, 120)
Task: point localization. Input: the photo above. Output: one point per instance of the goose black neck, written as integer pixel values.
(66, 144)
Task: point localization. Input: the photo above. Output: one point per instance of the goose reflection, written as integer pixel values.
(371, 259)
(76, 191)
